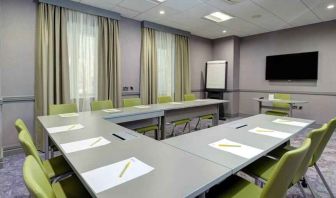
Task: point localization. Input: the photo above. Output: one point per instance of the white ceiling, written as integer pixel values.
(250, 16)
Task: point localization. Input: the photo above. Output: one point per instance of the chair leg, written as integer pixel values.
(199, 120)
(189, 126)
(301, 190)
(323, 180)
(185, 126)
(309, 186)
(173, 132)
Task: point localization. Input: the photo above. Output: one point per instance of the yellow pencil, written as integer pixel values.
(95, 142)
(125, 168)
(229, 145)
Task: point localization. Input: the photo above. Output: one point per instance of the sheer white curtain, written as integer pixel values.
(82, 32)
(165, 46)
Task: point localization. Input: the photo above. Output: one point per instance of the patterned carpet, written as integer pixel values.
(11, 183)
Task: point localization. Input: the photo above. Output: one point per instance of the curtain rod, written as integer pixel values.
(83, 8)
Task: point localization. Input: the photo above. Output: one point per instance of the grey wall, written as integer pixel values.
(228, 49)
(17, 55)
(321, 94)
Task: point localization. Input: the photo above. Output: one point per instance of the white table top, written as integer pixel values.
(280, 101)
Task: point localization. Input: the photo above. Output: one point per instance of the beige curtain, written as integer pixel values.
(109, 85)
(148, 79)
(182, 68)
(51, 70)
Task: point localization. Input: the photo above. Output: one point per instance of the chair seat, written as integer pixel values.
(235, 187)
(181, 122)
(277, 113)
(207, 117)
(262, 168)
(56, 166)
(147, 128)
(70, 187)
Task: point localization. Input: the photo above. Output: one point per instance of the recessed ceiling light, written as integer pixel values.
(218, 17)
(224, 31)
(158, 1)
(331, 6)
(162, 12)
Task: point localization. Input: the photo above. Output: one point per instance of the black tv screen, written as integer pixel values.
(300, 66)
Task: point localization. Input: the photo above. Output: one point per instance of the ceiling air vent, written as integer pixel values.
(233, 2)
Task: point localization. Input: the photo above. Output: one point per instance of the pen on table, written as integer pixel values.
(95, 142)
(229, 145)
(125, 168)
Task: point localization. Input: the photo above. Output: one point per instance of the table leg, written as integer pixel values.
(163, 124)
(215, 120)
(260, 108)
(46, 145)
(290, 110)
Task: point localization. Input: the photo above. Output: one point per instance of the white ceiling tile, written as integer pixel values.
(181, 4)
(100, 3)
(320, 8)
(124, 11)
(138, 5)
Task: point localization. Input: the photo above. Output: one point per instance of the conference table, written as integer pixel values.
(291, 104)
(182, 166)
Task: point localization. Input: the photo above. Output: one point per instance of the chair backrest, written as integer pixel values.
(316, 136)
(130, 102)
(62, 108)
(165, 99)
(20, 125)
(28, 146)
(35, 179)
(100, 105)
(281, 97)
(189, 97)
(330, 130)
(277, 185)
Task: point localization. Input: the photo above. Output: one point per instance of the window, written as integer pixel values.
(82, 32)
(165, 49)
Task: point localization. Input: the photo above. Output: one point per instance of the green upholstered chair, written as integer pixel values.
(53, 167)
(191, 97)
(185, 122)
(280, 105)
(101, 104)
(276, 186)
(20, 125)
(40, 187)
(62, 108)
(264, 167)
(131, 102)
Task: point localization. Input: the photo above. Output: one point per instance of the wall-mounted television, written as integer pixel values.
(299, 66)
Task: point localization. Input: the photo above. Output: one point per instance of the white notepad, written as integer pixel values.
(64, 128)
(68, 115)
(289, 122)
(106, 177)
(176, 103)
(84, 144)
(111, 110)
(142, 106)
(236, 148)
(270, 132)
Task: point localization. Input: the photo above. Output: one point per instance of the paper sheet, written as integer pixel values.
(106, 177)
(176, 103)
(142, 106)
(289, 122)
(201, 100)
(64, 128)
(84, 144)
(240, 150)
(111, 110)
(68, 115)
(270, 132)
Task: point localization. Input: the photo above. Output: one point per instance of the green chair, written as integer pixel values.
(276, 186)
(280, 105)
(62, 108)
(40, 187)
(191, 97)
(53, 167)
(131, 102)
(185, 122)
(100, 105)
(264, 167)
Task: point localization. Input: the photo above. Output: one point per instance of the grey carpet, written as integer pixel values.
(12, 185)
